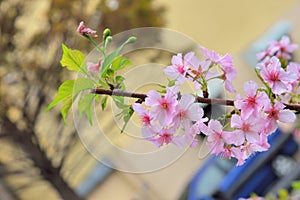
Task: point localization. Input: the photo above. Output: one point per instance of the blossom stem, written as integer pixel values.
(142, 98)
(95, 44)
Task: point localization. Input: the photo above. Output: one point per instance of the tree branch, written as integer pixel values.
(142, 97)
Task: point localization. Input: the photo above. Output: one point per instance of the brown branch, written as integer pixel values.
(211, 101)
(119, 93)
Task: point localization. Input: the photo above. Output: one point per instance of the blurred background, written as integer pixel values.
(40, 157)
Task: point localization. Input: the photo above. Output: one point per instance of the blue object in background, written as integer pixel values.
(96, 176)
(221, 179)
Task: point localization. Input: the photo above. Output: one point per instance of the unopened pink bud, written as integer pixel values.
(82, 30)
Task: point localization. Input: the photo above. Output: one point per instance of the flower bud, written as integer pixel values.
(108, 39)
(106, 33)
(131, 40)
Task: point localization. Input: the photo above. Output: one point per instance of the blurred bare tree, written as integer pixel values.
(37, 150)
(130, 13)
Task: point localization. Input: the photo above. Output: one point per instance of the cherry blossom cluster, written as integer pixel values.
(172, 118)
(191, 68)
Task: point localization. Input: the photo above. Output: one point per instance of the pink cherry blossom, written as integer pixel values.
(163, 106)
(280, 49)
(276, 77)
(179, 67)
(148, 126)
(254, 101)
(234, 137)
(285, 48)
(93, 68)
(228, 76)
(190, 133)
(263, 144)
(210, 55)
(248, 149)
(277, 112)
(225, 61)
(294, 68)
(250, 127)
(269, 52)
(82, 30)
(230, 151)
(215, 139)
(199, 71)
(186, 111)
(143, 113)
(264, 63)
(187, 138)
(163, 136)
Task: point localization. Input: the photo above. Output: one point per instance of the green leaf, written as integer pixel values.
(108, 61)
(103, 102)
(126, 118)
(110, 72)
(119, 101)
(103, 83)
(67, 93)
(120, 63)
(67, 103)
(119, 78)
(111, 57)
(85, 104)
(97, 98)
(119, 81)
(72, 59)
(64, 91)
(82, 84)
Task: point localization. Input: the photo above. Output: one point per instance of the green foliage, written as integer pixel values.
(296, 185)
(103, 102)
(108, 60)
(64, 95)
(120, 63)
(65, 90)
(283, 194)
(126, 117)
(67, 103)
(85, 104)
(119, 81)
(82, 84)
(72, 59)
(67, 93)
(126, 110)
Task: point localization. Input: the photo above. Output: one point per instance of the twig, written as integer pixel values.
(142, 97)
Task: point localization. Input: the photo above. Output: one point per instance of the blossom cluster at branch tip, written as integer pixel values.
(83, 30)
(172, 118)
(280, 49)
(190, 68)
